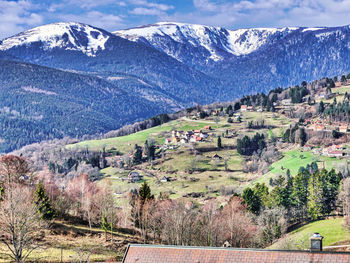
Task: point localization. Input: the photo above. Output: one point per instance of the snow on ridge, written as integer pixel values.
(312, 29)
(237, 42)
(62, 35)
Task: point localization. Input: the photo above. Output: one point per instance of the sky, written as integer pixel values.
(19, 15)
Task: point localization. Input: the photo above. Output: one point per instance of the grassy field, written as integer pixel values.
(126, 143)
(340, 90)
(293, 160)
(71, 242)
(332, 230)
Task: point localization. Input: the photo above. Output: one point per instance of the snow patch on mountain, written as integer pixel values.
(70, 36)
(313, 29)
(213, 39)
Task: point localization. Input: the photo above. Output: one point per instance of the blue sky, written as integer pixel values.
(19, 15)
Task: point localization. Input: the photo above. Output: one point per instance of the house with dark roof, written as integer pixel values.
(180, 254)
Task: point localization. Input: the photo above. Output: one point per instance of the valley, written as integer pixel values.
(172, 133)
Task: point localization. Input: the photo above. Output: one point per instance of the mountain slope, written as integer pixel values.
(39, 103)
(188, 42)
(256, 59)
(68, 46)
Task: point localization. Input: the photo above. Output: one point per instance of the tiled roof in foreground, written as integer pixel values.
(178, 254)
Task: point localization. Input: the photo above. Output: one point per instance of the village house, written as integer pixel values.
(208, 127)
(319, 127)
(321, 95)
(167, 141)
(250, 108)
(286, 102)
(183, 140)
(165, 179)
(337, 83)
(244, 108)
(333, 151)
(175, 139)
(134, 177)
(216, 157)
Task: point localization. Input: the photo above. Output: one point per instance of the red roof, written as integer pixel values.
(177, 254)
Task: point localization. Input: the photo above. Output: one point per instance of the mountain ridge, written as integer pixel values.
(177, 68)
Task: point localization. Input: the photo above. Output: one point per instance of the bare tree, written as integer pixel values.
(20, 222)
(13, 168)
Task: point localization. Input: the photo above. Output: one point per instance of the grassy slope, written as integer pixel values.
(332, 230)
(126, 143)
(293, 160)
(73, 239)
(211, 175)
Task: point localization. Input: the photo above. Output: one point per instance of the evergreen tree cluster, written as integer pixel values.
(295, 134)
(43, 203)
(312, 194)
(337, 111)
(247, 145)
(297, 93)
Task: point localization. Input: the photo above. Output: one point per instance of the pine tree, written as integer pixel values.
(252, 200)
(150, 149)
(145, 192)
(137, 154)
(321, 107)
(43, 203)
(219, 143)
(314, 202)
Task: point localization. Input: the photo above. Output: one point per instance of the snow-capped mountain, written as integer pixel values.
(68, 36)
(215, 43)
(206, 47)
(163, 67)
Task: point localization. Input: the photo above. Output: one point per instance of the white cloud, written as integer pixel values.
(265, 13)
(90, 4)
(161, 7)
(146, 11)
(17, 16)
(96, 18)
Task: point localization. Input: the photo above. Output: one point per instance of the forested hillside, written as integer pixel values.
(39, 103)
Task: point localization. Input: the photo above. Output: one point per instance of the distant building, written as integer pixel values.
(217, 157)
(208, 127)
(337, 83)
(320, 127)
(165, 179)
(134, 177)
(286, 102)
(335, 153)
(183, 141)
(167, 141)
(244, 107)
